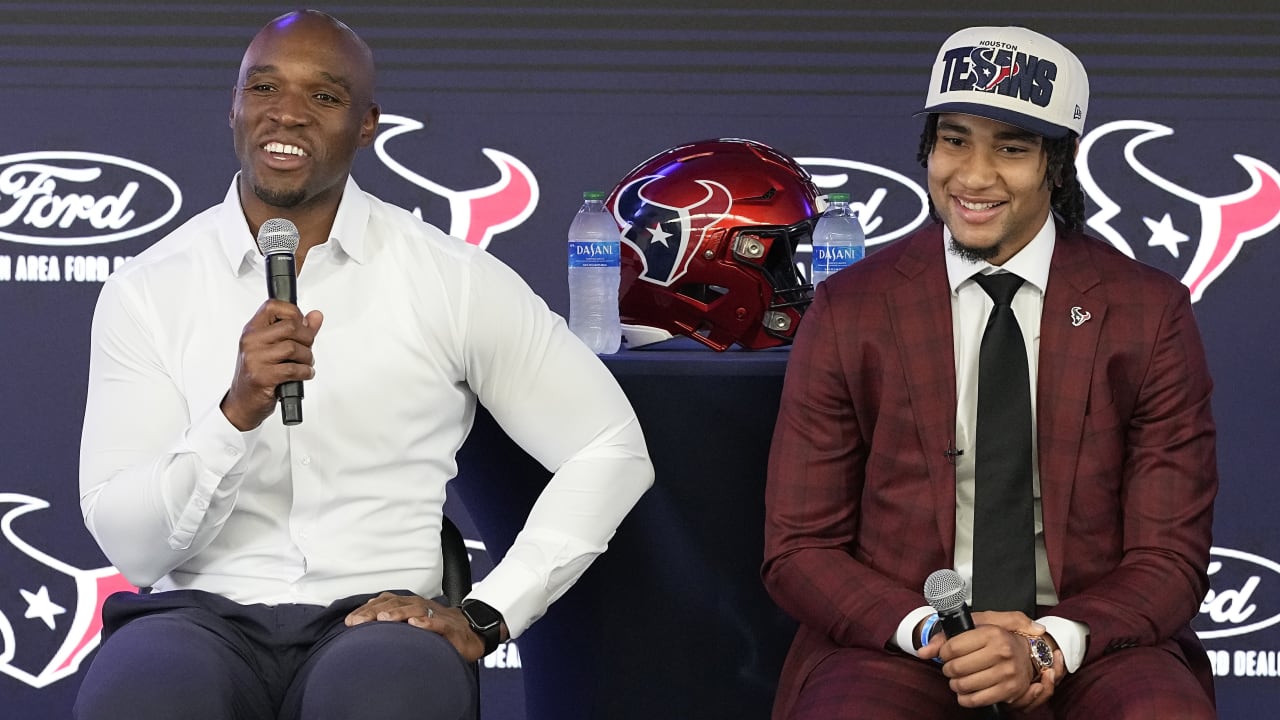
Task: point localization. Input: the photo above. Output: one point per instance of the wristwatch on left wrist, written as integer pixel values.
(485, 622)
(1041, 653)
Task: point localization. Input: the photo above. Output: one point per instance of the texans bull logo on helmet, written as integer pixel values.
(1191, 236)
(50, 612)
(661, 234)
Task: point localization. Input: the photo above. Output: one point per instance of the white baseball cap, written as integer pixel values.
(1013, 75)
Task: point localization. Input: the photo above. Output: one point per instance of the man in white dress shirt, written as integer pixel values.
(292, 567)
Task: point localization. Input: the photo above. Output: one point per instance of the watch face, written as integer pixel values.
(1041, 653)
(480, 615)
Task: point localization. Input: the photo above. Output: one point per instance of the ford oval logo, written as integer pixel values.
(81, 198)
(889, 204)
(1244, 594)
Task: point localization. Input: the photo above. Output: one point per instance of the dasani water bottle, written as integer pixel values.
(595, 255)
(838, 241)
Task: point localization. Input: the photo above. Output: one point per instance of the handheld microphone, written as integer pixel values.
(278, 240)
(944, 590)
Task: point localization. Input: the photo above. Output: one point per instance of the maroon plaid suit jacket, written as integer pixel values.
(860, 502)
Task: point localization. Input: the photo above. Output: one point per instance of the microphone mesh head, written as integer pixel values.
(944, 590)
(277, 235)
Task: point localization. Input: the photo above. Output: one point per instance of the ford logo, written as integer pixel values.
(889, 204)
(81, 198)
(1244, 594)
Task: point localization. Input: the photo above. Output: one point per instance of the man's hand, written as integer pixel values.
(1039, 692)
(275, 347)
(426, 614)
(990, 664)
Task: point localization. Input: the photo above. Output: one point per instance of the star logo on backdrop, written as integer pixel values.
(1164, 235)
(43, 641)
(1219, 225)
(40, 606)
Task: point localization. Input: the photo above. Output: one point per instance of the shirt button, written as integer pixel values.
(229, 450)
(306, 459)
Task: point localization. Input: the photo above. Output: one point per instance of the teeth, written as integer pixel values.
(977, 206)
(282, 149)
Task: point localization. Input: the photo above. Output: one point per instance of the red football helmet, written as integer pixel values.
(709, 232)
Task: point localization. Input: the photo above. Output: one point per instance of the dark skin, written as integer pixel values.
(990, 664)
(302, 106)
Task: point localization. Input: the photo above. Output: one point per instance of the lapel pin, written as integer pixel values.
(1079, 316)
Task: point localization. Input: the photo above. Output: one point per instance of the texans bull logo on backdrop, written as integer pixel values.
(50, 612)
(475, 215)
(1191, 236)
(661, 233)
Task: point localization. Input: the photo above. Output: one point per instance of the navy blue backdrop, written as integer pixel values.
(498, 114)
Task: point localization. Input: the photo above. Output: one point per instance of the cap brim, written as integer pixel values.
(1016, 119)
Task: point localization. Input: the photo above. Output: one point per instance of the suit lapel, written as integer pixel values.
(1069, 331)
(922, 325)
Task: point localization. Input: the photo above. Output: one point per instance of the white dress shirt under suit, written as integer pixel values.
(970, 308)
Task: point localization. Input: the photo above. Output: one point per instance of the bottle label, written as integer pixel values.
(594, 254)
(832, 259)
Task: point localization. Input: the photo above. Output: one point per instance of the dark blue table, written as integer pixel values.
(672, 621)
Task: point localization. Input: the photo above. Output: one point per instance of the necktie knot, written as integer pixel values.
(1000, 286)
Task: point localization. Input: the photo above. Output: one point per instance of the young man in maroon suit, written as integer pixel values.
(877, 472)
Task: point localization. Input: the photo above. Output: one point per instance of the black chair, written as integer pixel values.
(456, 582)
(457, 563)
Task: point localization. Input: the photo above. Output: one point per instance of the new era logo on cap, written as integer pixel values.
(1013, 75)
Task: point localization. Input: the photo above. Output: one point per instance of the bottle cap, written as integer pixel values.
(837, 197)
(594, 195)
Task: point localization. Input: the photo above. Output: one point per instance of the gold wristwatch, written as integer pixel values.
(1041, 652)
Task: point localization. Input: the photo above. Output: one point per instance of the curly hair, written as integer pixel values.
(1066, 197)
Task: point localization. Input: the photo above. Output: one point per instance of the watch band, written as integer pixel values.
(484, 621)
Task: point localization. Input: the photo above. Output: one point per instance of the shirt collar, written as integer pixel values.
(1031, 263)
(240, 248)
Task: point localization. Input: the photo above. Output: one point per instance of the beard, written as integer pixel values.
(973, 255)
(280, 198)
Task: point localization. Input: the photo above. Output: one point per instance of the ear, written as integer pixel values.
(231, 112)
(369, 125)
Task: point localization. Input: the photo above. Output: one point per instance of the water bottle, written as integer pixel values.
(837, 238)
(595, 256)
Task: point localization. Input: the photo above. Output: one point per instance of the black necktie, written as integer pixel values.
(1004, 568)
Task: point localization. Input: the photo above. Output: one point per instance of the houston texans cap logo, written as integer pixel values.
(1191, 236)
(665, 221)
(50, 612)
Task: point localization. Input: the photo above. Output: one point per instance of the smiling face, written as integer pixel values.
(988, 184)
(302, 106)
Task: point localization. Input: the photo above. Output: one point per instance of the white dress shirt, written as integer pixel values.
(418, 326)
(970, 308)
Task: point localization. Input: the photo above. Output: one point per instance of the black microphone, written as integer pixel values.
(278, 240)
(944, 590)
